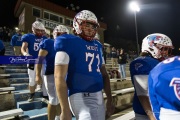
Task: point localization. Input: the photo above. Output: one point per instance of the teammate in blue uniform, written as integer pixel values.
(154, 47)
(80, 73)
(164, 87)
(32, 41)
(47, 53)
(16, 42)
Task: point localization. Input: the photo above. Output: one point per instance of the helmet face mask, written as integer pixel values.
(59, 30)
(38, 32)
(159, 45)
(85, 24)
(97, 37)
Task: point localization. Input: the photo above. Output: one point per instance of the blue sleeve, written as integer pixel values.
(61, 44)
(24, 38)
(139, 67)
(44, 45)
(13, 40)
(152, 96)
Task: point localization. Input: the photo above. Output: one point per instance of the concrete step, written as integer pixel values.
(23, 95)
(127, 116)
(20, 86)
(124, 99)
(121, 111)
(18, 80)
(36, 104)
(36, 114)
(18, 75)
(24, 70)
(119, 85)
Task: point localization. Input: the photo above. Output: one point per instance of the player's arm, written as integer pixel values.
(107, 90)
(141, 86)
(61, 67)
(42, 54)
(24, 48)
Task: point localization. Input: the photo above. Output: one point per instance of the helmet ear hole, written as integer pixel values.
(151, 49)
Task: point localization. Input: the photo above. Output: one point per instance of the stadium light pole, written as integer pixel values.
(135, 8)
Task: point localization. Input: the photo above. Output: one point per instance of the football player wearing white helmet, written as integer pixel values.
(48, 53)
(158, 45)
(32, 41)
(155, 47)
(80, 73)
(85, 24)
(38, 28)
(59, 30)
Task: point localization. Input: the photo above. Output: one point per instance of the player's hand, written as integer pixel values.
(27, 54)
(109, 108)
(38, 79)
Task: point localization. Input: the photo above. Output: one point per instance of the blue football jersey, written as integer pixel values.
(85, 62)
(16, 40)
(141, 66)
(33, 43)
(164, 86)
(48, 45)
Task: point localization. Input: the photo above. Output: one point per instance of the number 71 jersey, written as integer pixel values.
(85, 62)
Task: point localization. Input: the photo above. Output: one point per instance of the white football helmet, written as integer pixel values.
(83, 17)
(60, 29)
(38, 28)
(159, 45)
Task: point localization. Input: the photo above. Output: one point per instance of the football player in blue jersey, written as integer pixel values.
(164, 89)
(47, 53)
(16, 42)
(31, 42)
(155, 47)
(80, 73)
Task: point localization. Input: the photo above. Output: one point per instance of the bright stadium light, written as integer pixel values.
(135, 8)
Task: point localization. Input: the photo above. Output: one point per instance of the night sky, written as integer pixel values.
(156, 16)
